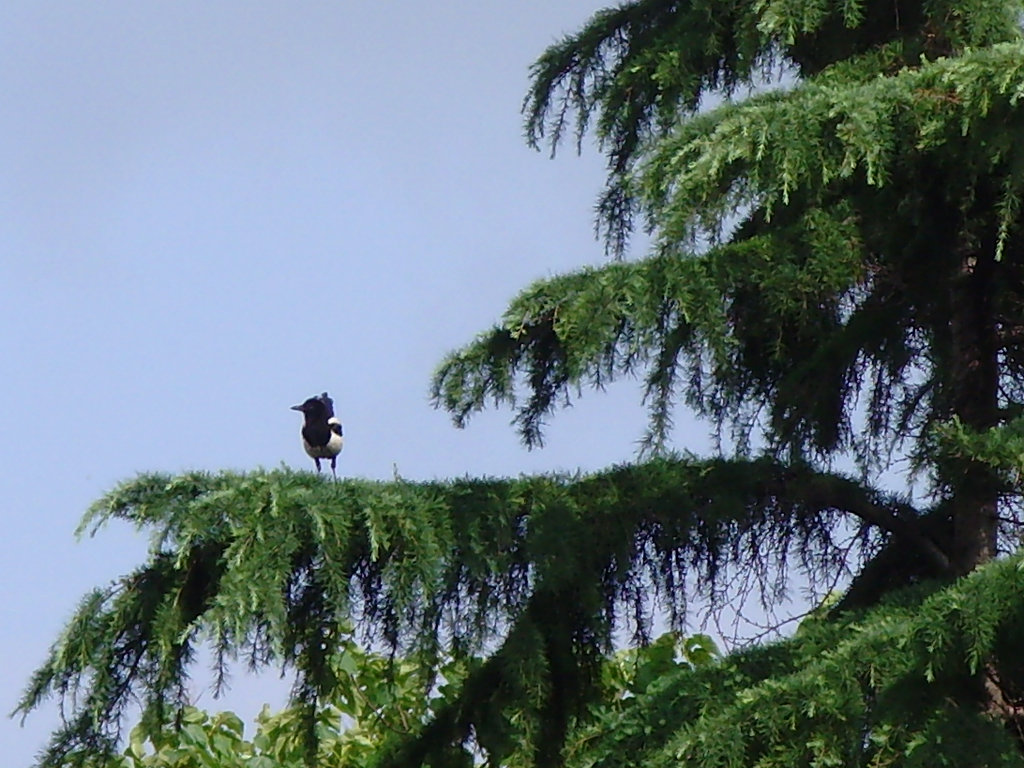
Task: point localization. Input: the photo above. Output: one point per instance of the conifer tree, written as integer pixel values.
(836, 280)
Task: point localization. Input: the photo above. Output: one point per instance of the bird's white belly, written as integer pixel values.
(332, 449)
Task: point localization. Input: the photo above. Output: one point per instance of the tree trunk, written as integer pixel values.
(974, 380)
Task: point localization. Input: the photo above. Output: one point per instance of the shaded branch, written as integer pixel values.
(824, 490)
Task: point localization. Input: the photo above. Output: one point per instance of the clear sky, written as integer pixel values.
(212, 211)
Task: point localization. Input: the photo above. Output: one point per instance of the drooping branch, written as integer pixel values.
(542, 666)
(671, 318)
(830, 491)
(637, 72)
(276, 566)
(544, 615)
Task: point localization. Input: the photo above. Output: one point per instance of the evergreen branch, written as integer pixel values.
(283, 562)
(828, 491)
(638, 71)
(833, 136)
(641, 65)
(766, 314)
(619, 61)
(554, 684)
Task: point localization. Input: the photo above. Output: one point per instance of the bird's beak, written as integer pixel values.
(296, 408)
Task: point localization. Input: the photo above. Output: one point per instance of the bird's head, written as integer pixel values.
(313, 407)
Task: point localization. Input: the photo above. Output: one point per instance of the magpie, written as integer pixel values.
(321, 432)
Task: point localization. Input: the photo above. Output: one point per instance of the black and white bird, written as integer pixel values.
(321, 433)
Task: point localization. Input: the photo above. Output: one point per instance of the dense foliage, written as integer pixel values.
(837, 279)
(379, 700)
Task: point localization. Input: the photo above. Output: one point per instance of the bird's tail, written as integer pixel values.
(328, 404)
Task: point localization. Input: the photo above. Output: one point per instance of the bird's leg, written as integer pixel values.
(317, 463)
(334, 460)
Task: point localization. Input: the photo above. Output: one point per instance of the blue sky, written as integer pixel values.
(215, 210)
